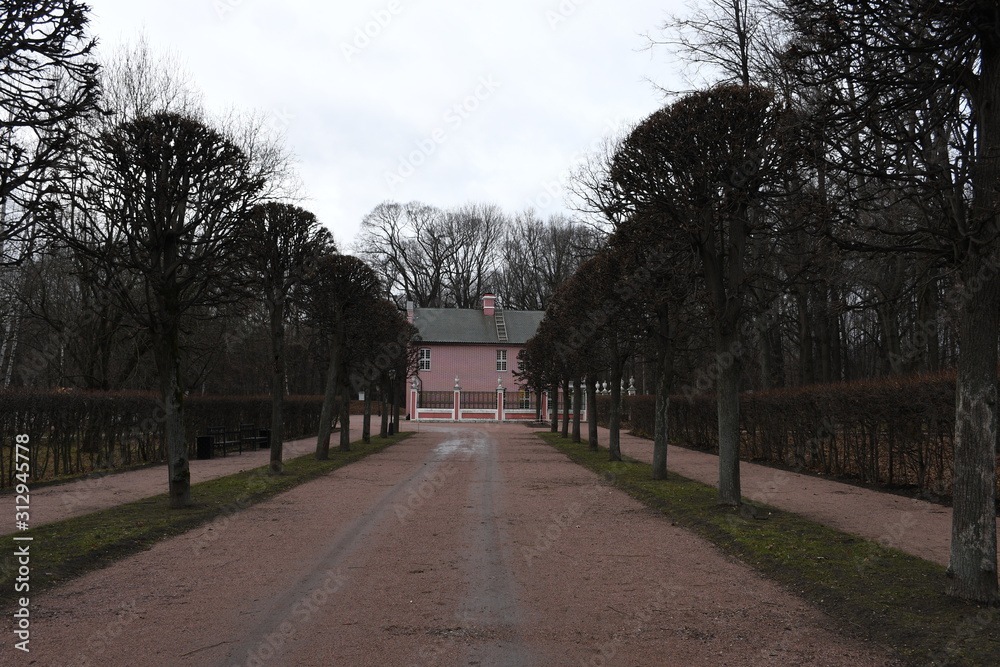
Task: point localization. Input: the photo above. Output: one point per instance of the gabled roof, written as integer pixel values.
(465, 325)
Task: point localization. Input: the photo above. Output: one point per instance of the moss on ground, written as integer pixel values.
(881, 594)
(66, 549)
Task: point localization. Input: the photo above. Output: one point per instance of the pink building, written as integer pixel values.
(467, 363)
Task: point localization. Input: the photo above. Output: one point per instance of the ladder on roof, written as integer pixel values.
(501, 324)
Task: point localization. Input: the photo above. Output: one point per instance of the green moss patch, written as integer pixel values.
(66, 549)
(875, 592)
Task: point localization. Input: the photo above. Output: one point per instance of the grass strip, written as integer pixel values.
(892, 598)
(62, 550)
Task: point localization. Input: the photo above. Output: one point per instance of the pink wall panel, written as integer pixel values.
(475, 366)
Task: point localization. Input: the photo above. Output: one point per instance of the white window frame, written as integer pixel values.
(501, 361)
(424, 359)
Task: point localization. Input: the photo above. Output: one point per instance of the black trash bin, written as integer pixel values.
(204, 447)
(265, 435)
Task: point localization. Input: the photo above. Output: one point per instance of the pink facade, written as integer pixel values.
(475, 366)
(467, 363)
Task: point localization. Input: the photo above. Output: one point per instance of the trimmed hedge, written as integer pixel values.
(896, 432)
(75, 432)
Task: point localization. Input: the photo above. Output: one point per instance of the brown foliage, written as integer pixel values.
(896, 433)
(77, 432)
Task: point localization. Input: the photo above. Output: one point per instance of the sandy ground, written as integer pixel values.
(463, 545)
(100, 491)
(909, 524)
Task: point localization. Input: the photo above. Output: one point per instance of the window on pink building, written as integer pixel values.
(524, 398)
(501, 361)
(425, 359)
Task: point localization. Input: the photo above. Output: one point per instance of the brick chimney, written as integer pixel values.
(489, 303)
(409, 312)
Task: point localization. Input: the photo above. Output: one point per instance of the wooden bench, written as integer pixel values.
(224, 439)
(252, 437)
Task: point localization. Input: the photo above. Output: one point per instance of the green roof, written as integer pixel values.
(465, 325)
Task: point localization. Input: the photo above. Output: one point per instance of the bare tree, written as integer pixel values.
(164, 198)
(476, 231)
(382, 350)
(912, 90)
(78, 336)
(537, 256)
(410, 247)
(699, 167)
(343, 288)
(735, 39)
(282, 246)
(137, 81)
(48, 84)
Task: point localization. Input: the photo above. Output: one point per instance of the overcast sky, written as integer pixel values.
(440, 101)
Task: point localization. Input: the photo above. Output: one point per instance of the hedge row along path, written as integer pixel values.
(918, 527)
(462, 545)
(54, 502)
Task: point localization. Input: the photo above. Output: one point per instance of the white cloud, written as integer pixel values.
(569, 70)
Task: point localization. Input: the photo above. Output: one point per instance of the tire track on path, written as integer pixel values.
(325, 576)
(492, 601)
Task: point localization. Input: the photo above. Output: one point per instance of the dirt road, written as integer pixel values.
(909, 524)
(463, 545)
(101, 490)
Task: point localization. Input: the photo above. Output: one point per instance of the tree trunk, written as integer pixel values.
(345, 418)
(807, 375)
(554, 406)
(664, 381)
(383, 413)
(567, 408)
(973, 560)
(766, 352)
(577, 406)
(836, 339)
(927, 327)
(395, 407)
(592, 412)
(889, 321)
(277, 388)
(728, 406)
(366, 424)
(615, 415)
(822, 329)
(172, 395)
(329, 400)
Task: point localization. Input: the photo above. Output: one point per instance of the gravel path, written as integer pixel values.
(463, 545)
(100, 491)
(915, 526)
